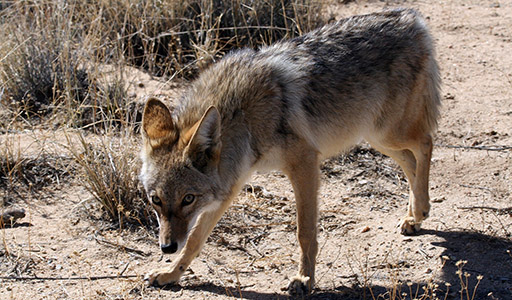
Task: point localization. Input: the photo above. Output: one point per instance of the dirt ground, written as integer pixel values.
(253, 250)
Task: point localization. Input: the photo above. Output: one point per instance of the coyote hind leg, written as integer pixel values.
(415, 162)
(419, 204)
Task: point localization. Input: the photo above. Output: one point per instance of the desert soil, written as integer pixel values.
(253, 250)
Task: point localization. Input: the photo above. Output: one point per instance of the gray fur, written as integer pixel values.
(286, 106)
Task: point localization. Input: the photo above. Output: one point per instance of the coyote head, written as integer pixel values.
(180, 170)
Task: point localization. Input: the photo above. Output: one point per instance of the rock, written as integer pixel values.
(10, 216)
(438, 199)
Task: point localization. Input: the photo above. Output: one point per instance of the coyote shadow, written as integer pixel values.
(339, 293)
(485, 255)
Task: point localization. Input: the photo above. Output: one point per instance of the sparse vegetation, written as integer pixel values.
(109, 169)
(51, 50)
(63, 65)
(28, 174)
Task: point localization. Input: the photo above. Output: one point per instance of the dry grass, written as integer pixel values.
(51, 50)
(109, 171)
(40, 64)
(430, 290)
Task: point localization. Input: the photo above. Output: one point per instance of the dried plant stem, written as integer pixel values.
(24, 278)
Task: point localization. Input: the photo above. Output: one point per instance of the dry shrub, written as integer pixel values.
(110, 172)
(51, 49)
(178, 37)
(20, 175)
(39, 64)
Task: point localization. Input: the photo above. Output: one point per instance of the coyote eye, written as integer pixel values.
(156, 200)
(188, 199)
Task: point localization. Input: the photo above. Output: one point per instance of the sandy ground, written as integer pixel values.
(253, 251)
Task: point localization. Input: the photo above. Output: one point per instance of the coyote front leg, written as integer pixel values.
(195, 241)
(302, 169)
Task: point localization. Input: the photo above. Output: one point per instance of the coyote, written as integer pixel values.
(287, 106)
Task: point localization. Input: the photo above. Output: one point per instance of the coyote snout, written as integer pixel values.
(287, 106)
(169, 248)
(169, 242)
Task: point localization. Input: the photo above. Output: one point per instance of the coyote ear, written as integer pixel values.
(157, 124)
(204, 146)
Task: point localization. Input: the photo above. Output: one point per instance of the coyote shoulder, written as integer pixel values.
(287, 106)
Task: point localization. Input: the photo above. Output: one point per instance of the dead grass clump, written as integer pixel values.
(36, 172)
(40, 67)
(430, 290)
(178, 37)
(21, 175)
(369, 161)
(16, 264)
(110, 173)
(109, 107)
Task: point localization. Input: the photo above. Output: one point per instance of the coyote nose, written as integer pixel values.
(169, 248)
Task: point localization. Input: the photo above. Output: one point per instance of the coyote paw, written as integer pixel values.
(300, 286)
(408, 226)
(162, 277)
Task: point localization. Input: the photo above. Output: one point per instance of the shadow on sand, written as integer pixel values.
(485, 255)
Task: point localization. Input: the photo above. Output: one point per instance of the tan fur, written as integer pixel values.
(158, 131)
(286, 107)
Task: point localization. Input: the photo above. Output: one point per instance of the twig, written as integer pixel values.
(486, 148)
(477, 187)
(269, 224)
(506, 210)
(68, 278)
(122, 247)
(256, 249)
(124, 269)
(422, 251)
